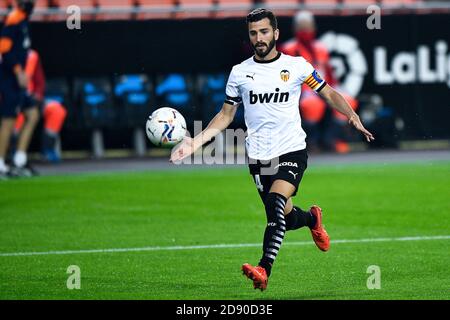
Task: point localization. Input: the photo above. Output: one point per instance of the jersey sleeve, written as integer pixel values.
(7, 37)
(311, 77)
(233, 96)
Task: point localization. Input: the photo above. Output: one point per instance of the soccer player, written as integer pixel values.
(268, 85)
(14, 45)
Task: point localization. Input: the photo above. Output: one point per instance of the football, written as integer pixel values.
(165, 127)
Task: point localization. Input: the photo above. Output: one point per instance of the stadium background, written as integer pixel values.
(155, 207)
(193, 45)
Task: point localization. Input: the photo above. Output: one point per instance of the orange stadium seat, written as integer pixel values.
(377, 2)
(246, 5)
(125, 5)
(360, 2)
(79, 3)
(275, 5)
(399, 1)
(365, 3)
(167, 5)
(236, 2)
(399, 5)
(64, 4)
(199, 2)
(5, 4)
(192, 4)
(41, 4)
(321, 2)
(331, 4)
(322, 6)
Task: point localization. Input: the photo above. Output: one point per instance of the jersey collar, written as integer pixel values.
(267, 61)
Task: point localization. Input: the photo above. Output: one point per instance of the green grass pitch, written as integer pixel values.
(220, 206)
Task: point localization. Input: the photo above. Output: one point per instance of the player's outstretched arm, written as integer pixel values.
(338, 102)
(219, 123)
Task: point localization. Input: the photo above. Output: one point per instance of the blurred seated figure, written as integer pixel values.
(53, 112)
(325, 129)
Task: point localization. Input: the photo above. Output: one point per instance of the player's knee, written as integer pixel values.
(274, 204)
(32, 116)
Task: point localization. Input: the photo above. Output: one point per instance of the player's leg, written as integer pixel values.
(289, 206)
(6, 129)
(297, 218)
(274, 203)
(31, 111)
(275, 230)
(9, 102)
(291, 169)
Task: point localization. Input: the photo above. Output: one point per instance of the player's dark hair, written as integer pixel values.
(261, 13)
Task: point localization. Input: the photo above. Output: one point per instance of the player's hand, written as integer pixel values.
(356, 122)
(182, 150)
(22, 79)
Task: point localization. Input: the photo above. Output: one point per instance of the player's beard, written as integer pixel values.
(260, 52)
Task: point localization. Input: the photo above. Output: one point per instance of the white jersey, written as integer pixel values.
(270, 91)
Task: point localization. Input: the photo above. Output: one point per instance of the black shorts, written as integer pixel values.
(288, 167)
(13, 99)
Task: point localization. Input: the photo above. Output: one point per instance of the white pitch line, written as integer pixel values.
(216, 246)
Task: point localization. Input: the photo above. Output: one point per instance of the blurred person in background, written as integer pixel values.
(14, 45)
(53, 112)
(329, 133)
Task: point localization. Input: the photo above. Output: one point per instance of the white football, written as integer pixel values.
(165, 127)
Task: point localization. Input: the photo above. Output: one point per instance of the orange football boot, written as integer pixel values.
(257, 274)
(319, 234)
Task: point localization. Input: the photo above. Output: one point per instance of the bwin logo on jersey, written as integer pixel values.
(274, 97)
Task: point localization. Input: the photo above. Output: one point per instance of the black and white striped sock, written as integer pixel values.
(275, 229)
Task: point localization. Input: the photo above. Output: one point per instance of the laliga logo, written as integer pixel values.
(410, 67)
(350, 65)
